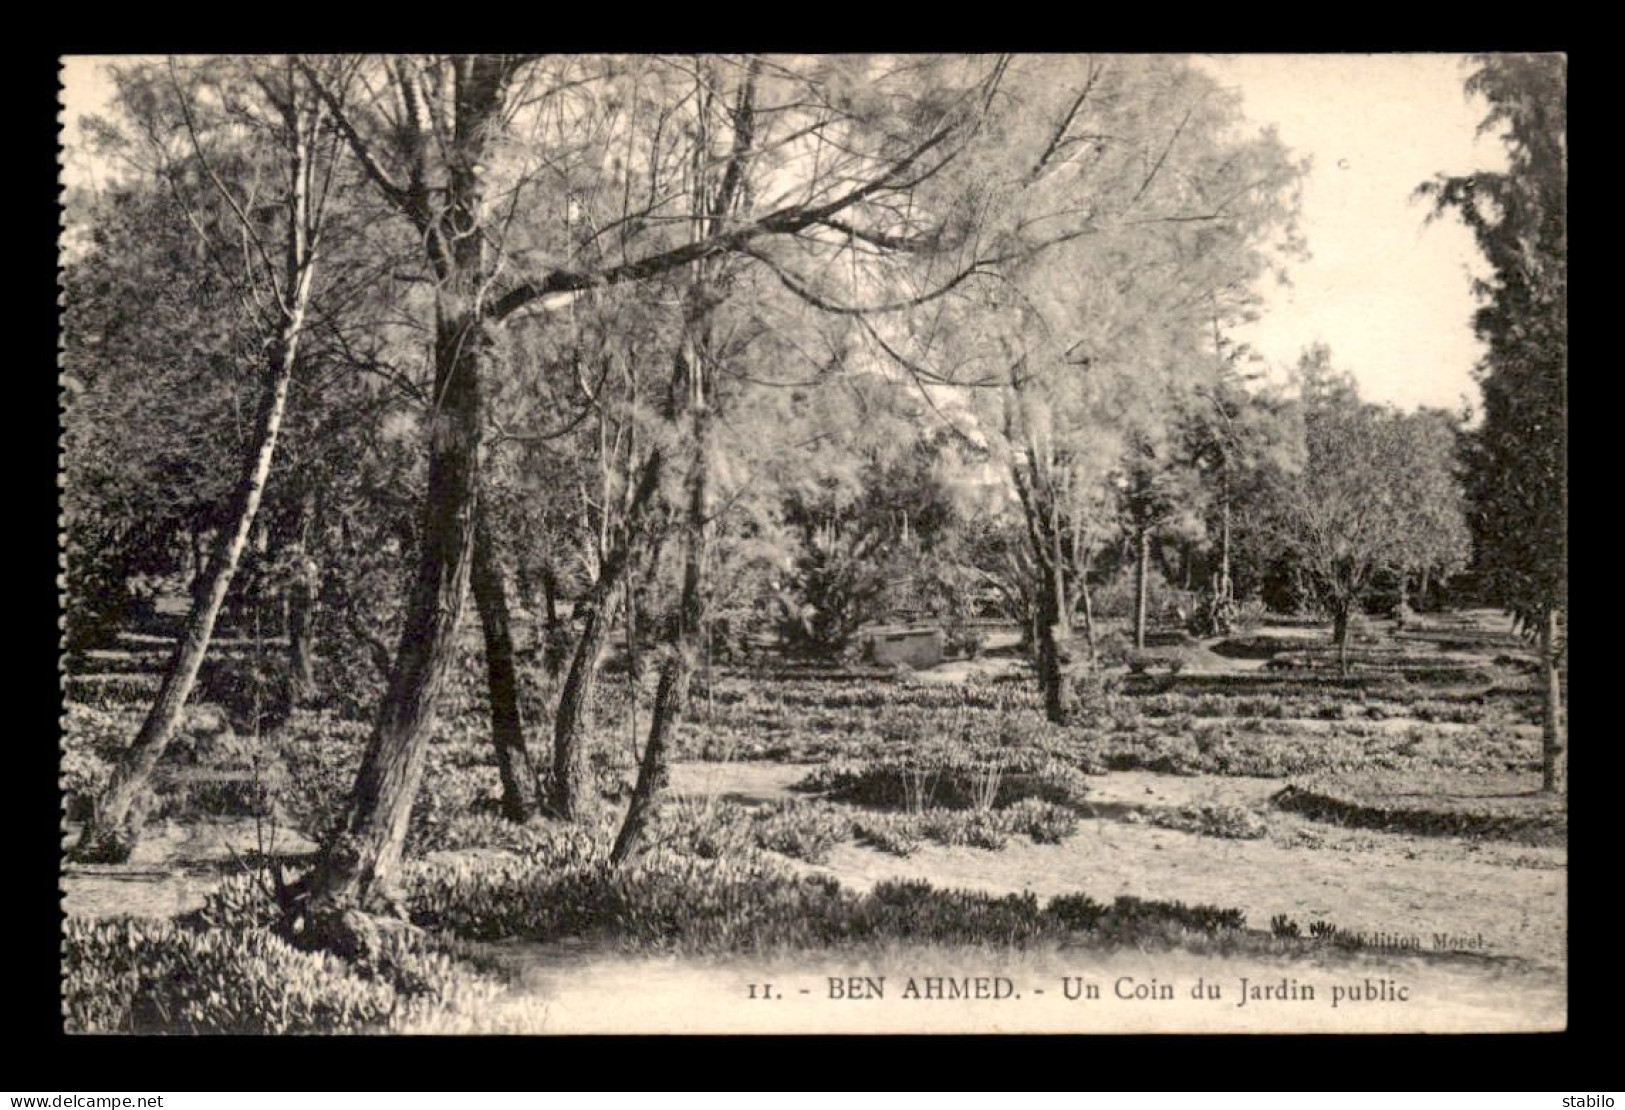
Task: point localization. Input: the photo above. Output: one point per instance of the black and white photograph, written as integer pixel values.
(894, 543)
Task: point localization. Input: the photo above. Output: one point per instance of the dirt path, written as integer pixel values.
(173, 868)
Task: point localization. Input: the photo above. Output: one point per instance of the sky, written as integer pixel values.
(1390, 295)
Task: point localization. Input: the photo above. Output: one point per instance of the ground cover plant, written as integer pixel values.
(897, 765)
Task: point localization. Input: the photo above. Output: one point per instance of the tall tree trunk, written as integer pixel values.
(690, 395)
(1553, 750)
(301, 609)
(1142, 582)
(569, 723)
(1055, 629)
(677, 669)
(358, 866)
(502, 681)
(1340, 636)
(114, 826)
(1054, 635)
(634, 666)
(1226, 591)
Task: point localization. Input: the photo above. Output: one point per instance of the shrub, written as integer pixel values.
(894, 833)
(802, 830)
(1113, 648)
(950, 781)
(1229, 822)
(834, 586)
(1045, 822)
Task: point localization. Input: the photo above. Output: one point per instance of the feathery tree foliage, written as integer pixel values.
(1518, 458)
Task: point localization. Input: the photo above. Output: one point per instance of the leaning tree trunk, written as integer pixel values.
(502, 681)
(1142, 581)
(676, 671)
(358, 866)
(114, 826)
(1553, 750)
(567, 796)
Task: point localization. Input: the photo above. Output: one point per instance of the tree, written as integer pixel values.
(1518, 458)
(279, 277)
(1179, 213)
(1239, 438)
(436, 141)
(1376, 495)
(1430, 495)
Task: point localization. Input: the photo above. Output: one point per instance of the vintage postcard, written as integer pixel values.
(763, 543)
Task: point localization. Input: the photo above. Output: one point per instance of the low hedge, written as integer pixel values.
(1494, 806)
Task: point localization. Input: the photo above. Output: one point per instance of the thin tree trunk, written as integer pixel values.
(677, 670)
(113, 828)
(1088, 614)
(502, 682)
(690, 394)
(1340, 635)
(1142, 581)
(634, 667)
(114, 825)
(301, 610)
(1554, 752)
(569, 723)
(1225, 588)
